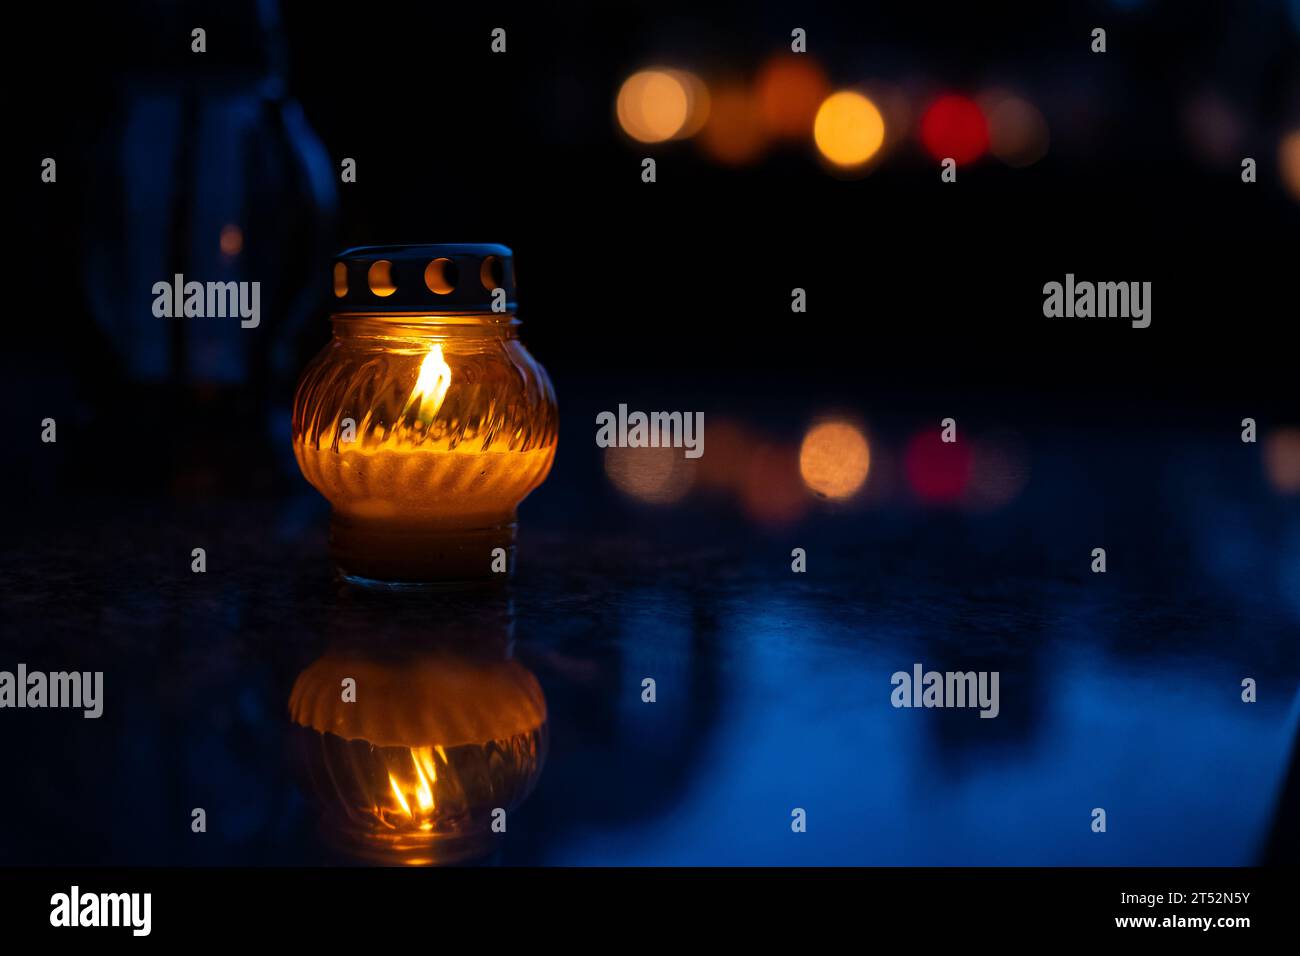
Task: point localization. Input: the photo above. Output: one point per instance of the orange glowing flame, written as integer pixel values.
(431, 386)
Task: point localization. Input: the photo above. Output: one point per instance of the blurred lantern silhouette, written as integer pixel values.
(734, 134)
(938, 472)
(1018, 133)
(440, 743)
(1282, 460)
(208, 170)
(848, 129)
(954, 127)
(834, 459)
(789, 88)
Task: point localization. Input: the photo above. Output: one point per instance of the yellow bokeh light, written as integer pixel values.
(848, 129)
(655, 105)
(834, 459)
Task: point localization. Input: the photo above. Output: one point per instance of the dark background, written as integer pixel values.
(924, 301)
(692, 274)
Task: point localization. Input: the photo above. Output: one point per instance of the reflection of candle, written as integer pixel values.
(433, 751)
(425, 421)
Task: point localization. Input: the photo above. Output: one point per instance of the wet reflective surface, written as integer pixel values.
(1119, 691)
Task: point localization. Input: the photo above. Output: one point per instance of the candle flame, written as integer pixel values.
(414, 795)
(431, 386)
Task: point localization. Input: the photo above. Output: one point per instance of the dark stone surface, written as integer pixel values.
(1119, 691)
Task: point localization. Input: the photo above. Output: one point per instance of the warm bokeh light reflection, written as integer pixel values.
(657, 476)
(848, 129)
(1018, 133)
(789, 88)
(1282, 460)
(834, 459)
(232, 240)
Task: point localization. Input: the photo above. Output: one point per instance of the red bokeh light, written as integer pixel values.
(954, 126)
(937, 471)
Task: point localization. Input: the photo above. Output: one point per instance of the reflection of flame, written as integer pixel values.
(414, 795)
(415, 776)
(430, 386)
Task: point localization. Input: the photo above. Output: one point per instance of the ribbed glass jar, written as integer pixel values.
(424, 430)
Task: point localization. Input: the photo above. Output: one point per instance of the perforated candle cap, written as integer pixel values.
(441, 277)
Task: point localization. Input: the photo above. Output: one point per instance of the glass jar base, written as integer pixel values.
(411, 848)
(408, 555)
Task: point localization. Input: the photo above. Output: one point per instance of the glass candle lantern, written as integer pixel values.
(424, 421)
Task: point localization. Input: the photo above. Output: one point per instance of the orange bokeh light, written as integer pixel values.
(789, 89)
(1288, 156)
(729, 444)
(834, 459)
(734, 133)
(661, 104)
(772, 493)
(232, 240)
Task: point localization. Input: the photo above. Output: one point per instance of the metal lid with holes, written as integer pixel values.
(443, 277)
